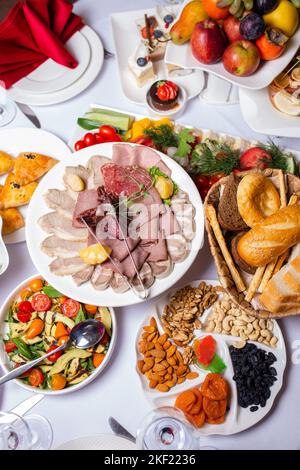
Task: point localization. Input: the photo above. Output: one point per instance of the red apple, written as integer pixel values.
(231, 26)
(241, 58)
(208, 42)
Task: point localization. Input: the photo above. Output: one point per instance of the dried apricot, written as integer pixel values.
(215, 421)
(214, 408)
(197, 407)
(185, 400)
(197, 420)
(214, 387)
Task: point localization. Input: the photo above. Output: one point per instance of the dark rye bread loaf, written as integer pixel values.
(228, 213)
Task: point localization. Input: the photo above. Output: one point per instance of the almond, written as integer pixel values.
(163, 338)
(158, 346)
(156, 353)
(181, 370)
(171, 351)
(171, 361)
(153, 383)
(149, 328)
(166, 345)
(158, 368)
(192, 375)
(162, 388)
(140, 365)
(180, 380)
(179, 357)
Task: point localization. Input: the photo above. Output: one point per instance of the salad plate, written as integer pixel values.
(15, 141)
(237, 418)
(11, 327)
(85, 292)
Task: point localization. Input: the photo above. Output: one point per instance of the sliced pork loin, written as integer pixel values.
(178, 247)
(119, 283)
(94, 166)
(54, 246)
(146, 276)
(78, 170)
(188, 227)
(58, 225)
(161, 269)
(101, 278)
(61, 201)
(83, 276)
(67, 266)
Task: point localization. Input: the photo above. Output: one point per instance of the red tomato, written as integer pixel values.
(41, 302)
(105, 339)
(99, 139)
(202, 181)
(143, 140)
(25, 307)
(215, 178)
(107, 132)
(24, 317)
(70, 308)
(79, 145)
(53, 357)
(115, 138)
(212, 9)
(36, 377)
(255, 158)
(10, 346)
(89, 139)
(271, 44)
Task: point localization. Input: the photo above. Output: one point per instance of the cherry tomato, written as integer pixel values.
(10, 346)
(25, 310)
(62, 299)
(106, 132)
(115, 138)
(53, 357)
(255, 158)
(201, 181)
(144, 32)
(79, 145)
(24, 294)
(36, 284)
(58, 382)
(215, 12)
(99, 139)
(89, 139)
(271, 44)
(41, 302)
(36, 377)
(203, 192)
(91, 308)
(105, 339)
(215, 178)
(70, 308)
(24, 317)
(63, 340)
(143, 140)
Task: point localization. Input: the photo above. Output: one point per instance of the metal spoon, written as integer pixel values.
(4, 258)
(84, 335)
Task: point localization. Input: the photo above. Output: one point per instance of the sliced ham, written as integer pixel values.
(144, 157)
(86, 206)
(58, 225)
(168, 223)
(62, 201)
(101, 278)
(54, 246)
(94, 166)
(157, 249)
(162, 269)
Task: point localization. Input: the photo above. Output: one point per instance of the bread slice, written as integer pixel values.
(228, 213)
(30, 166)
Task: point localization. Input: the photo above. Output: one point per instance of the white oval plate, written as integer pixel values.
(237, 419)
(26, 139)
(93, 69)
(125, 40)
(98, 442)
(4, 358)
(86, 293)
(262, 117)
(267, 71)
(51, 76)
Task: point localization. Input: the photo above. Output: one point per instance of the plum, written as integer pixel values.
(265, 6)
(252, 26)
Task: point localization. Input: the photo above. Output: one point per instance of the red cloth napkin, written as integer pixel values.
(34, 31)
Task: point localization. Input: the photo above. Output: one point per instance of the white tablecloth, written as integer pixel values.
(118, 391)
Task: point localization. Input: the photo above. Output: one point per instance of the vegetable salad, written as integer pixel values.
(39, 320)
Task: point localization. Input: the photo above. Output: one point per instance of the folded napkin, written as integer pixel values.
(33, 32)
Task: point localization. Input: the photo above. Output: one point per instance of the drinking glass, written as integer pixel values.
(30, 433)
(8, 108)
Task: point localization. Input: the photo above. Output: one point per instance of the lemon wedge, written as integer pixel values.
(95, 254)
(286, 103)
(164, 186)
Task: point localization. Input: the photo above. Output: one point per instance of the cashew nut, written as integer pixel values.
(266, 334)
(210, 326)
(239, 322)
(221, 316)
(239, 344)
(249, 329)
(254, 335)
(273, 341)
(218, 327)
(262, 324)
(227, 322)
(255, 324)
(270, 325)
(247, 318)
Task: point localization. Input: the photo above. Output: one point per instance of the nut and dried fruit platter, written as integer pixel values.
(167, 365)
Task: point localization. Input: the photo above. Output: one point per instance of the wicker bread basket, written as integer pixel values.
(226, 280)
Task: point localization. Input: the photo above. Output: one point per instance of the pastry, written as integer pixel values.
(30, 166)
(15, 195)
(228, 213)
(12, 219)
(6, 162)
(236, 257)
(163, 95)
(271, 238)
(257, 198)
(140, 65)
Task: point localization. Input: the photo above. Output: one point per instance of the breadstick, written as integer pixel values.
(255, 282)
(280, 262)
(212, 217)
(270, 269)
(282, 188)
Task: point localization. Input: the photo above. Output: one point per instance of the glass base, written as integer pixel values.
(7, 113)
(41, 431)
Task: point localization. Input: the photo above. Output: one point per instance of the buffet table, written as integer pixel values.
(118, 392)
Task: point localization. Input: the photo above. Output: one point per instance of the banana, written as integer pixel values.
(236, 4)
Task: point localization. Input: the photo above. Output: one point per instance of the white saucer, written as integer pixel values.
(51, 76)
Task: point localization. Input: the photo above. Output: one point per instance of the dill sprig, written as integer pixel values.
(280, 158)
(211, 157)
(163, 136)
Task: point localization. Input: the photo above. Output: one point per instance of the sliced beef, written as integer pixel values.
(124, 181)
(127, 267)
(238, 260)
(228, 213)
(86, 206)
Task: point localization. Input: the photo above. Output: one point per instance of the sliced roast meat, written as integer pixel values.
(119, 247)
(238, 260)
(157, 249)
(86, 206)
(58, 225)
(146, 276)
(130, 265)
(168, 223)
(62, 201)
(178, 247)
(122, 181)
(119, 283)
(144, 157)
(188, 227)
(54, 246)
(101, 278)
(83, 276)
(67, 266)
(179, 197)
(162, 269)
(183, 209)
(94, 166)
(78, 170)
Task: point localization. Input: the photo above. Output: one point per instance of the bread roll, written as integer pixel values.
(269, 239)
(257, 198)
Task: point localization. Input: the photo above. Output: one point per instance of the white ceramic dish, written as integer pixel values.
(126, 38)
(24, 139)
(4, 258)
(86, 293)
(172, 113)
(93, 69)
(182, 56)
(98, 442)
(4, 358)
(237, 419)
(51, 76)
(261, 116)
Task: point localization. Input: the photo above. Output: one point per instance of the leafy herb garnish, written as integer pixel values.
(186, 138)
(51, 292)
(163, 136)
(280, 158)
(211, 157)
(155, 172)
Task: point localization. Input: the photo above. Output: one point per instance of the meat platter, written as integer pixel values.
(69, 221)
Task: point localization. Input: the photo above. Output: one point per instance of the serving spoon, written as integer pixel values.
(4, 258)
(84, 335)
